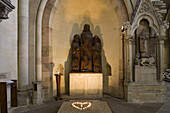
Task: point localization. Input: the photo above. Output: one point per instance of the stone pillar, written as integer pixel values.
(38, 95)
(126, 60)
(129, 59)
(160, 58)
(23, 77)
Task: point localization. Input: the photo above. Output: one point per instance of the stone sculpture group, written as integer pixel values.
(86, 52)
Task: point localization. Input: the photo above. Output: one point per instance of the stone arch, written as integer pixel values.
(44, 31)
(153, 23)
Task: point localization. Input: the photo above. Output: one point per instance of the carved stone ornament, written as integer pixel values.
(145, 7)
(5, 8)
(164, 27)
(155, 8)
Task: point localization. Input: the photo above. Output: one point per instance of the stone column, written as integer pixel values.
(160, 61)
(23, 77)
(126, 60)
(130, 60)
(38, 95)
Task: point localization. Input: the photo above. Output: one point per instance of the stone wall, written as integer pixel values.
(8, 43)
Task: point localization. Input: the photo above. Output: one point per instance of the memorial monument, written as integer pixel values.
(86, 76)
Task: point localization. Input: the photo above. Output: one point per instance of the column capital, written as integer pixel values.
(161, 38)
(129, 39)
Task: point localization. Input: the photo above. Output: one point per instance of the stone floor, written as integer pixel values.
(93, 106)
(116, 105)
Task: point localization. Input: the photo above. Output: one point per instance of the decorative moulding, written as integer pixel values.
(153, 11)
(5, 8)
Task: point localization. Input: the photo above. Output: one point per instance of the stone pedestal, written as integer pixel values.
(86, 84)
(144, 93)
(145, 88)
(24, 97)
(37, 93)
(145, 75)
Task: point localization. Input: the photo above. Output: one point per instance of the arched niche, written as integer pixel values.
(47, 62)
(153, 23)
(145, 44)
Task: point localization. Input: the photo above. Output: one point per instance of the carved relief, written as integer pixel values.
(145, 7)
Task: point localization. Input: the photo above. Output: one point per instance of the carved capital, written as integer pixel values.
(127, 27)
(161, 38)
(129, 39)
(164, 27)
(5, 8)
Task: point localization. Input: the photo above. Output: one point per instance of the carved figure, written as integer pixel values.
(76, 54)
(85, 65)
(97, 54)
(144, 36)
(86, 49)
(147, 61)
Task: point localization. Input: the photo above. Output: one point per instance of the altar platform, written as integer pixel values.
(86, 84)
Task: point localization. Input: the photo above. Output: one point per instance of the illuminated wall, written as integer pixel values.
(102, 15)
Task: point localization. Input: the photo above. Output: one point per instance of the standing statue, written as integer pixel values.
(97, 67)
(86, 49)
(144, 36)
(75, 64)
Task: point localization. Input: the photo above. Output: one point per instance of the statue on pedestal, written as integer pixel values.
(144, 57)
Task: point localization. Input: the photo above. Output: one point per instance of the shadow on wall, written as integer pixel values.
(106, 68)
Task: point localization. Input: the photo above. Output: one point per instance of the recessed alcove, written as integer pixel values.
(67, 19)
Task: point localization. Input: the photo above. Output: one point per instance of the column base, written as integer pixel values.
(24, 97)
(37, 93)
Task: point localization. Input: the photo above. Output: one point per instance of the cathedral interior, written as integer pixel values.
(79, 56)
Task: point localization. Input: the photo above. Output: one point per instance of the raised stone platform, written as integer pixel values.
(144, 93)
(97, 106)
(86, 84)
